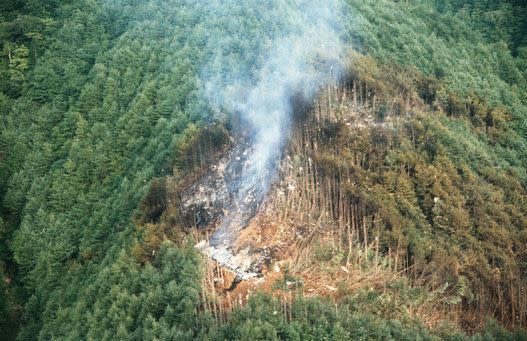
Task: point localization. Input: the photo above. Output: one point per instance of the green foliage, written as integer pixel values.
(312, 319)
(18, 61)
(98, 98)
(443, 46)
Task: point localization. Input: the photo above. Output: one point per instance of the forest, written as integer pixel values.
(411, 171)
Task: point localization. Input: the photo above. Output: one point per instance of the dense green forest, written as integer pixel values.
(99, 99)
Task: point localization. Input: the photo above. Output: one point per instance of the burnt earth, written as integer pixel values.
(217, 199)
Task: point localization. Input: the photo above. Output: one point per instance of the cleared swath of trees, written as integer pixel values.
(374, 166)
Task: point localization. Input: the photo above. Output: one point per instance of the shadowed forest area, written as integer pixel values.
(409, 172)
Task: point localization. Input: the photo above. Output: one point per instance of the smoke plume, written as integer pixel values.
(297, 51)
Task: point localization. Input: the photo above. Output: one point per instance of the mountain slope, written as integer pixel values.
(98, 99)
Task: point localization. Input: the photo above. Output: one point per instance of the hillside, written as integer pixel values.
(393, 205)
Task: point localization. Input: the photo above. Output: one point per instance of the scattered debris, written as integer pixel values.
(240, 263)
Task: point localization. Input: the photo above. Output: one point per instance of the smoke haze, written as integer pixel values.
(300, 54)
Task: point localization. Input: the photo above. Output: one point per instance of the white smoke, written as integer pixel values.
(299, 57)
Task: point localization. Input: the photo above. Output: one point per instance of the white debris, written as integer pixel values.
(239, 263)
